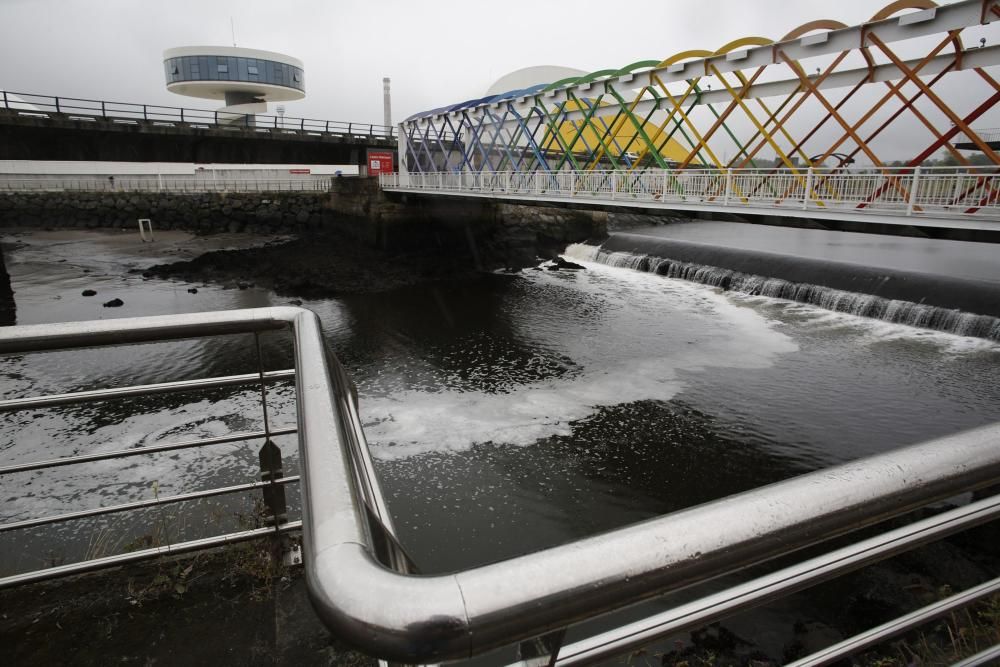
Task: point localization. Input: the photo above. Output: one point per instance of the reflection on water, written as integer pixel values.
(505, 414)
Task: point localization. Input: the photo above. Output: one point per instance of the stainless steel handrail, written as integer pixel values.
(425, 618)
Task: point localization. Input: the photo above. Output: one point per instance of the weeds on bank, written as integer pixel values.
(959, 635)
(256, 563)
(947, 640)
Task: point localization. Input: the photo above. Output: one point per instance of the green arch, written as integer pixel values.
(594, 75)
(637, 65)
(561, 83)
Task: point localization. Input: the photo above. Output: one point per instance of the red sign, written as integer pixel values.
(379, 162)
(299, 171)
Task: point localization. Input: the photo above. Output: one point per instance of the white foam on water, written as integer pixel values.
(870, 331)
(915, 317)
(631, 337)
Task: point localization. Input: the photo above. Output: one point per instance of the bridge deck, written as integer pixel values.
(928, 199)
(874, 216)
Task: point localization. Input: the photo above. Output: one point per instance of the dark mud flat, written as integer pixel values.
(224, 607)
(317, 266)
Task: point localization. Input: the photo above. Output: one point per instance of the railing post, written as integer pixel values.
(58, 110)
(506, 182)
(729, 186)
(145, 115)
(182, 114)
(809, 184)
(614, 183)
(327, 130)
(958, 186)
(349, 129)
(663, 186)
(5, 100)
(914, 184)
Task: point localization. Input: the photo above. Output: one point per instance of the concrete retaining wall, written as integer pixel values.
(494, 234)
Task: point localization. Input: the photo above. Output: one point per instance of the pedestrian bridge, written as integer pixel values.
(878, 121)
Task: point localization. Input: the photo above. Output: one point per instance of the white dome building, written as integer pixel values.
(532, 76)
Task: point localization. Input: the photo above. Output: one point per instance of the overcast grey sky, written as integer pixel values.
(436, 51)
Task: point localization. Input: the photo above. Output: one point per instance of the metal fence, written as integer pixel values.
(919, 191)
(360, 580)
(31, 104)
(209, 182)
(40, 338)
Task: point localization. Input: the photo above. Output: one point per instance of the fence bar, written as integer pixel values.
(141, 504)
(53, 400)
(988, 657)
(144, 554)
(137, 451)
(778, 584)
(898, 626)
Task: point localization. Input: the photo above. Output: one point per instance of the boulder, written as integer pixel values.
(114, 303)
(89, 292)
(560, 263)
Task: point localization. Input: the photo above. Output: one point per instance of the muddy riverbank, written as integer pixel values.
(317, 265)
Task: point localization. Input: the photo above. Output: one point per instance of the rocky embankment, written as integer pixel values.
(316, 265)
(204, 212)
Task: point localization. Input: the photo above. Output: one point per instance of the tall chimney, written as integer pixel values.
(387, 103)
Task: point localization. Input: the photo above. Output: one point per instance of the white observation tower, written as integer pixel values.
(244, 79)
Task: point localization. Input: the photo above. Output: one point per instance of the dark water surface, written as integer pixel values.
(505, 415)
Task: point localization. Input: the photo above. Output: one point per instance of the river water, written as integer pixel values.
(505, 414)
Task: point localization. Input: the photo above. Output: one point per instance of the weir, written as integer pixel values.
(955, 305)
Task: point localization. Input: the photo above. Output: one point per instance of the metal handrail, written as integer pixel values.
(33, 103)
(422, 618)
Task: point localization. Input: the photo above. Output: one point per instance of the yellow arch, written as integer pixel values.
(741, 42)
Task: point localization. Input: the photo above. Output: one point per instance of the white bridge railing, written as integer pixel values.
(957, 192)
(182, 183)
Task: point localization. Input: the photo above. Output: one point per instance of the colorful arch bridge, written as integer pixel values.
(883, 118)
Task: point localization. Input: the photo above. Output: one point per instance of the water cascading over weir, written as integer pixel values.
(954, 305)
